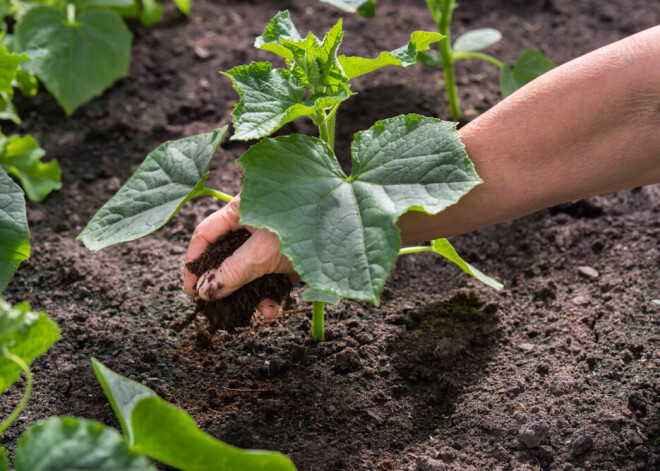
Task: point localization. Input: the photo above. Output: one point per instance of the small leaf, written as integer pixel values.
(403, 56)
(84, 57)
(429, 59)
(365, 8)
(270, 99)
(27, 83)
(14, 232)
(23, 160)
(9, 68)
(313, 294)
(444, 248)
(123, 394)
(530, 65)
(169, 435)
(25, 333)
(477, 40)
(73, 444)
(151, 12)
(351, 241)
(170, 175)
(280, 27)
(183, 6)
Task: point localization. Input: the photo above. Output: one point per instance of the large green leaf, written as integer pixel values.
(24, 333)
(476, 40)
(14, 232)
(123, 394)
(170, 175)
(365, 8)
(271, 98)
(74, 444)
(280, 27)
(530, 65)
(169, 435)
(403, 56)
(350, 240)
(84, 57)
(22, 158)
(444, 248)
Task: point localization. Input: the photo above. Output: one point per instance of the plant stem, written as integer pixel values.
(26, 395)
(479, 55)
(444, 17)
(318, 332)
(71, 13)
(219, 195)
(409, 250)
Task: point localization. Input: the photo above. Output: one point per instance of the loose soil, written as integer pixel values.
(559, 371)
(237, 309)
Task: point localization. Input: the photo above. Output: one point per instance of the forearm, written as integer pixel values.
(589, 127)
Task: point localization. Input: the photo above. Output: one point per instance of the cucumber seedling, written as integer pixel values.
(338, 230)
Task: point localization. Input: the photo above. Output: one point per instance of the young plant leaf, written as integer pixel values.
(25, 333)
(123, 394)
(170, 175)
(22, 158)
(403, 56)
(183, 6)
(313, 294)
(530, 65)
(350, 240)
(280, 27)
(429, 59)
(74, 444)
(9, 68)
(364, 8)
(151, 12)
(477, 40)
(84, 57)
(169, 435)
(271, 98)
(444, 248)
(14, 232)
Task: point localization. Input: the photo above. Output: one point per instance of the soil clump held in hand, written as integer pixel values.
(235, 310)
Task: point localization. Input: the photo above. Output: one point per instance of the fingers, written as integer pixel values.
(208, 231)
(269, 308)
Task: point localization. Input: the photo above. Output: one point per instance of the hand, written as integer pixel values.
(258, 256)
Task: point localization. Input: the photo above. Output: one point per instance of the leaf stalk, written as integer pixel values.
(26, 395)
(478, 55)
(219, 195)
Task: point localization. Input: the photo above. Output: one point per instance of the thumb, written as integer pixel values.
(220, 282)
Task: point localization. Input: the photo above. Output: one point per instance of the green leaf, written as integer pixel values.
(14, 232)
(123, 394)
(4, 462)
(169, 435)
(23, 160)
(170, 175)
(403, 56)
(7, 108)
(429, 59)
(477, 40)
(183, 6)
(365, 8)
(530, 65)
(25, 333)
(313, 294)
(9, 68)
(444, 248)
(270, 98)
(27, 83)
(84, 57)
(151, 12)
(350, 240)
(280, 27)
(106, 3)
(73, 444)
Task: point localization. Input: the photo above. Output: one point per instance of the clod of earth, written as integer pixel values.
(235, 310)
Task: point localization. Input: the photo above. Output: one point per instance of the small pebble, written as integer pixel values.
(588, 272)
(581, 445)
(580, 300)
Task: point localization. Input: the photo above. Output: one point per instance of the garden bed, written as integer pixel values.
(560, 370)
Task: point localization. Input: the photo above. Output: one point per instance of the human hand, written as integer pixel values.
(258, 256)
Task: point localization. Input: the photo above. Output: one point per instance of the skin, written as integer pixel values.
(588, 127)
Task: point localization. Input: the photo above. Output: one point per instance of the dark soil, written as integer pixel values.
(235, 310)
(559, 371)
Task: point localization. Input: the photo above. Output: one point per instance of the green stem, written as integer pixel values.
(409, 250)
(330, 125)
(26, 395)
(479, 55)
(217, 194)
(446, 8)
(71, 13)
(318, 332)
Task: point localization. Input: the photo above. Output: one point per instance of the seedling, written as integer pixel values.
(338, 230)
(530, 65)
(152, 427)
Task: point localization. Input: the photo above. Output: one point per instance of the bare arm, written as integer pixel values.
(588, 127)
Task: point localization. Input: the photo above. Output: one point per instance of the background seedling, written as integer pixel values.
(338, 230)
